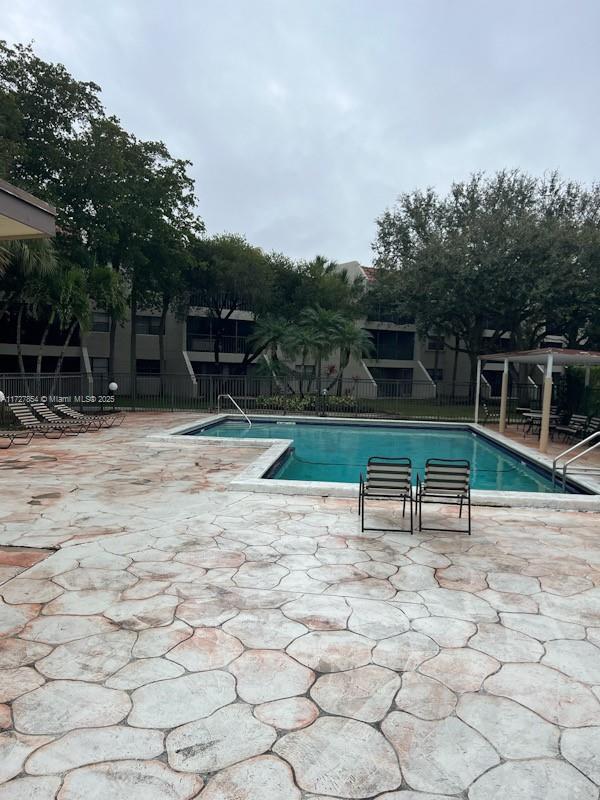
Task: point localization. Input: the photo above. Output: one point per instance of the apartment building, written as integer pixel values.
(401, 361)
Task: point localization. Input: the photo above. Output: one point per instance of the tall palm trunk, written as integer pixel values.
(20, 346)
(19, 333)
(61, 357)
(38, 364)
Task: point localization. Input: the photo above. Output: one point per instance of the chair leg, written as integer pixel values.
(420, 510)
(410, 503)
(469, 510)
(362, 516)
(460, 509)
(403, 506)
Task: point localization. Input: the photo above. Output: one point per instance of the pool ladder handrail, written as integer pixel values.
(566, 452)
(242, 412)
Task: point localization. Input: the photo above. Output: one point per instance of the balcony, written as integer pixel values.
(206, 344)
(208, 300)
(388, 314)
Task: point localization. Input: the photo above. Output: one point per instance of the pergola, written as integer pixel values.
(23, 216)
(548, 357)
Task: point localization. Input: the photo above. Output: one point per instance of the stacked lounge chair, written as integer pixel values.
(69, 426)
(30, 422)
(101, 420)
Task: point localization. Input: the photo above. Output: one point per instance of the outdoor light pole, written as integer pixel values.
(112, 388)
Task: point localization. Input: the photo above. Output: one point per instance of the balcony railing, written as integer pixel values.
(207, 300)
(206, 344)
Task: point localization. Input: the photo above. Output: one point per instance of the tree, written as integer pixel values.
(229, 275)
(117, 196)
(27, 266)
(353, 342)
(494, 254)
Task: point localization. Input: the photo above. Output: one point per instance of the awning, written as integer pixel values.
(23, 216)
(561, 357)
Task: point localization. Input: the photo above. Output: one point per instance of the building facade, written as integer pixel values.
(401, 362)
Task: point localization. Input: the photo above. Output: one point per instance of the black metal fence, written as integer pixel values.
(419, 400)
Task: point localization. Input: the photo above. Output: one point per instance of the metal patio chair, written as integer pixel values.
(386, 479)
(576, 425)
(446, 482)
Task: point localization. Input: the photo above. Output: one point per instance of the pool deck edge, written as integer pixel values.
(252, 479)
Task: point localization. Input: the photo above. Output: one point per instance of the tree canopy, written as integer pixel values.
(507, 254)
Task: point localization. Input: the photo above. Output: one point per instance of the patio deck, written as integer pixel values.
(186, 640)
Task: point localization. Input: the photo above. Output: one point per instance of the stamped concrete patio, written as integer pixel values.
(187, 641)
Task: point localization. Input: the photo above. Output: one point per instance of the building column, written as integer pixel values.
(477, 390)
(503, 397)
(546, 404)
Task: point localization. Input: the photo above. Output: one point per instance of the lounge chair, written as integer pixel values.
(101, 420)
(14, 437)
(69, 426)
(25, 417)
(387, 479)
(576, 425)
(446, 482)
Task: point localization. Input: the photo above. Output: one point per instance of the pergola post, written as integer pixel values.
(503, 397)
(546, 404)
(477, 390)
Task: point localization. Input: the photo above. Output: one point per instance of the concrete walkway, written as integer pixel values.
(190, 641)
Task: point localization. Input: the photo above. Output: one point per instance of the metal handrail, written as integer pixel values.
(243, 413)
(575, 458)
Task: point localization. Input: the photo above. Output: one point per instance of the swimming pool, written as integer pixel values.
(338, 452)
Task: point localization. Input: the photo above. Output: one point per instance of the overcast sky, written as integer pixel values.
(305, 119)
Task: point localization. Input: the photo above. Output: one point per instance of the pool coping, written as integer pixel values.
(252, 477)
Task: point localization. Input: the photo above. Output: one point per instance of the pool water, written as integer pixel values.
(338, 452)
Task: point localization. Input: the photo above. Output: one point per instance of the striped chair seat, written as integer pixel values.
(386, 479)
(446, 481)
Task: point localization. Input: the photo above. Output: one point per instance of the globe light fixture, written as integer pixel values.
(113, 386)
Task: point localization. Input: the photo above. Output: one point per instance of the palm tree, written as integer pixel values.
(23, 265)
(353, 342)
(322, 329)
(270, 334)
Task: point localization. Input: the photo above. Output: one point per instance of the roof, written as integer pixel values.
(370, 273)
(23, 216)
(560, 357)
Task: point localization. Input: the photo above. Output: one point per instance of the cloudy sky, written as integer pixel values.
(304, 119)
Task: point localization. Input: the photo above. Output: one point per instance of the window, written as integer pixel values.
(435, 343)
(147, 325)
(99, 366)
(147, 366)
(396, 345)
(100, 322)
(436, 374)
